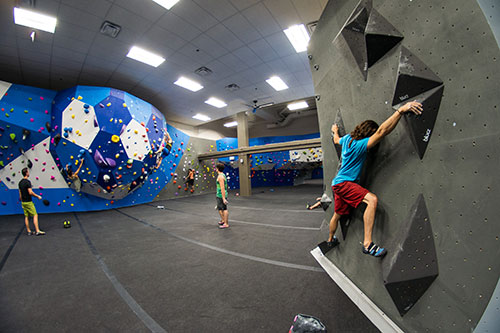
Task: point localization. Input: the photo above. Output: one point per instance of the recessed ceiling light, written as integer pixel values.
(298, 36)
(188, 84)
(277, 83)
(231, 124)
(144, 56)
(215, 102)
(34, 20)
(166, 3)
(201, 117)
(298, 105)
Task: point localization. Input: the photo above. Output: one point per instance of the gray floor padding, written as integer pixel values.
(163, 260)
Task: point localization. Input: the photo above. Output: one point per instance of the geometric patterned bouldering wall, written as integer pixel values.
(448, 59)
(116, 134)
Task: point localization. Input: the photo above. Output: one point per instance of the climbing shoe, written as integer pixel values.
(334, 242)
(375, 250)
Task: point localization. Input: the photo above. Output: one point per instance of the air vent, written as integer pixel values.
(110, 29)
(203, 71)
(311, 26)
(232, 87)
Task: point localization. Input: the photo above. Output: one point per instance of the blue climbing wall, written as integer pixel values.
(272, 169)
(115, 136)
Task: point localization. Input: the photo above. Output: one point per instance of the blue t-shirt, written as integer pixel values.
(352, 159)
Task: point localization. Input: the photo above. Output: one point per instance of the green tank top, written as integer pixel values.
(219, 192)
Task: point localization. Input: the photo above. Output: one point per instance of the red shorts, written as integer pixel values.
(348, 195)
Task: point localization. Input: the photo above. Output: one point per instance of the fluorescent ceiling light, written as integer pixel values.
(34, 20)
(277, 83)
(298, 105)
(216, 102)
(144, 56)
(231, 124)
(201, 117)
(188, 84)
(298, 36)
(166, 3)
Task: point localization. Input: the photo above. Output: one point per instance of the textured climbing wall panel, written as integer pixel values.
(282, 168)
(451, 65)
(116, 135)
(204, 179)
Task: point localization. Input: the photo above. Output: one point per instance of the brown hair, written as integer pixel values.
(220, 167)
(24, 172)
(364, 130)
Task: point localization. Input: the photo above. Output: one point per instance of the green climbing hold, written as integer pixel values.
(12, 136)
(1, 163)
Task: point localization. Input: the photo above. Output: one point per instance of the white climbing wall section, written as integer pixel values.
(4, 86)
(135, 140)
(79, 117)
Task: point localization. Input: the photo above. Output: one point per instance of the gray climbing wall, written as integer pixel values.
(436, 176)
(205, 171)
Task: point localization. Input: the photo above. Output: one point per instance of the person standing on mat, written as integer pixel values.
(25, 194)
(222, 196)
(347, 193)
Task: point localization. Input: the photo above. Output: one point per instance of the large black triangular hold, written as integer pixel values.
(411, 264)
(414, 78)
(381, 37)
(420, 127)
(340, 124)
(358, 20)
(357, 45)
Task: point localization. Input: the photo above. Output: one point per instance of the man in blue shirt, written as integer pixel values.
(348, 194)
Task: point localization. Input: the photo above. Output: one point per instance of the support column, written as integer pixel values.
(243, 160)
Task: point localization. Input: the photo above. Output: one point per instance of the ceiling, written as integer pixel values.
(241, 41)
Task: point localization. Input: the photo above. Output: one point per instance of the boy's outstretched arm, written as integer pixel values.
(391, 122)
(335, 131)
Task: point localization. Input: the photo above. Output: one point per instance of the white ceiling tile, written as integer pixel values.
(57, 72)
(281, 44)
(220, 9)
(207, 44)
(309, 10)
(131, 20)
(263, 50)
(239, 26)
(181, 61)
(107, 48)
(304, 77)
(242, 4)
(284, 12)
(261, 19)
(158, 36)
(67, 62)
(294, 63)
(196, 54)
(149, 10)
(67, 54)
(237, 78)
(71, 44)
(247, 56)
(278, 67)
(34, 56)
(179, 26)
(75, 32)
(48, 7)
(9, 52)
(233, 62)
(225, 37)
(220, 71)
(79, 18)
(94, 7)
(42, 48)
(194, 14)
(100, 64)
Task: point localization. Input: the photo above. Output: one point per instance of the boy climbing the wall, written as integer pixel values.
(25, 194)
(347, 193)
(221, 196)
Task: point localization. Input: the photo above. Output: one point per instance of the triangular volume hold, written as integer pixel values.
(381, 36)
(357, 44)
(421, 127)
(340, 124)
(414, 78)
(358, 21)
(411, 267)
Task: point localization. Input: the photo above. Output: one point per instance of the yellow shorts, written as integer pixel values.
(29, 208)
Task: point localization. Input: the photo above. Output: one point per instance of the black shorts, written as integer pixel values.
(190, 182)
(220, 204)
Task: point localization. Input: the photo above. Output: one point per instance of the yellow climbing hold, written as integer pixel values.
(117, 155)
(72, 116)
(80, 97)
(71, 157)
(124, 105)
(115, 138)
(136, 132)
(109, 104)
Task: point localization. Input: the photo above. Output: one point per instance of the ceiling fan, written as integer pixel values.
(257, 106)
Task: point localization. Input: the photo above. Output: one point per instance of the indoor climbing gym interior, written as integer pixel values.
(298, 166)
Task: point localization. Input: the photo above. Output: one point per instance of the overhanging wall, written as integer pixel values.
(457, 173)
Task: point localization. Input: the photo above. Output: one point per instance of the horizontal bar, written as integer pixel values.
(280, 146)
